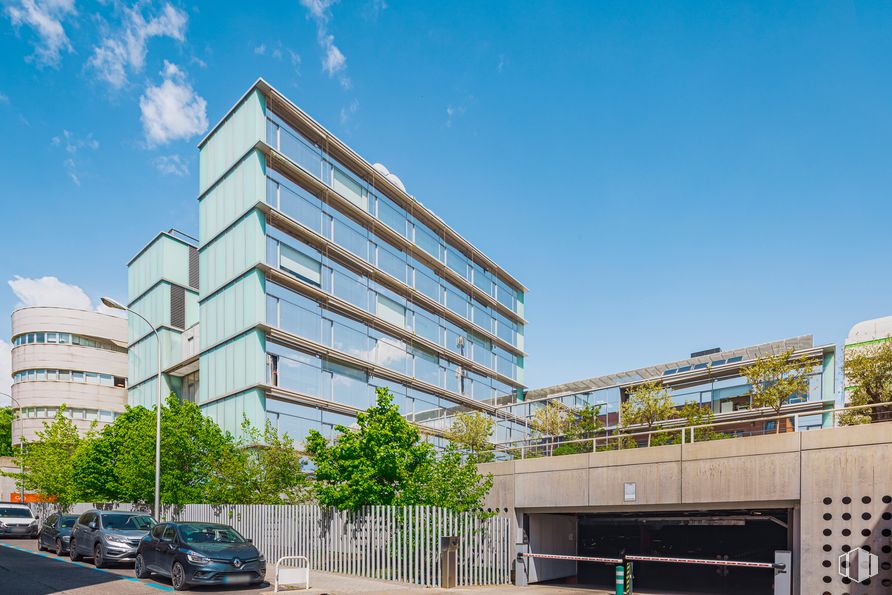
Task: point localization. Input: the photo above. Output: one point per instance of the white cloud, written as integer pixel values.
(172, 110)
(50, 291)
(171, 165)
(45, 18)
(4, 98)
(453, 112)
(334, 63)
(73, 146)
(5, 371)
(260, 49)
(348, 111)
(125, 50)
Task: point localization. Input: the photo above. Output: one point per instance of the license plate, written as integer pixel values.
(236, 579)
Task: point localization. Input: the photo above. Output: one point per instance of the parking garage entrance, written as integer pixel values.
(741, 535)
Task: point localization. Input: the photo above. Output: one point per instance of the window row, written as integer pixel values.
(54, 338)
(70, 376)
(100, 415)
(308, 264)
(341, 383)
(301, 316)
(311, 158)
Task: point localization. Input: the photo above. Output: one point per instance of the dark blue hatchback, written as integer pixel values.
(193, 553)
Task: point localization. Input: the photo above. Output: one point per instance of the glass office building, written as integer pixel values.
(714, 378)
(315, 279)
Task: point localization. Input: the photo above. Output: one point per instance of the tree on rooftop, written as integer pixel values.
(868, 373)
(552, 420)
(472, 430)
(648, 404)
(775, 379)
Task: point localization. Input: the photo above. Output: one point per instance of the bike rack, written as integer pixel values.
(292, 575)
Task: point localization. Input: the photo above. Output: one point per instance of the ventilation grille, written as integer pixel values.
(193, 268)
(177, 306)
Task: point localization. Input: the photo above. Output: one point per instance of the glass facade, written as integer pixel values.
(411, 307)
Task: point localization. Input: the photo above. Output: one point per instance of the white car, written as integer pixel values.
(17, 520)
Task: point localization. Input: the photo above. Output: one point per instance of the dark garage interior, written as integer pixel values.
(742, 535)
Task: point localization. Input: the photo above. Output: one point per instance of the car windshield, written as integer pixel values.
(206, 533)
(67, 522)
(142, 522)
(19, 513)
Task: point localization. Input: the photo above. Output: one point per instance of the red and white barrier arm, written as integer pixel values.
(574, 558)
(706, 562)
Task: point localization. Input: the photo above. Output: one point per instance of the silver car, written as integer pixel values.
(109, 536)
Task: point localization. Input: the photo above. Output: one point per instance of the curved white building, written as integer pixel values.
(64, 355)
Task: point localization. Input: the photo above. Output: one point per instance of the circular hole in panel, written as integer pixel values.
(846, 500)
(866, 499)
(828, 532)
(866, 516)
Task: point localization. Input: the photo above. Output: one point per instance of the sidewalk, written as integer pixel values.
(325, 583)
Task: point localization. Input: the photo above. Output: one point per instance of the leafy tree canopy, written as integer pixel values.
(868, 373)
(776, 378)
(6, 417)
(383, 461)
(647, 405)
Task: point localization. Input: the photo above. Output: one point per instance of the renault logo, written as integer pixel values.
(237, 563)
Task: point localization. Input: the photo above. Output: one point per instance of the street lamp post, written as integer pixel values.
(118, 306)
(21, 445)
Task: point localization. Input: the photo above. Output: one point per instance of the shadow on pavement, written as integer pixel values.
(29, 574)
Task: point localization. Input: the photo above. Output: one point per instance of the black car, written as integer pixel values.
(56, 532)
(193, 553)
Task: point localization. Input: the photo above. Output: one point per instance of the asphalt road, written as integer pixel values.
(25, 571)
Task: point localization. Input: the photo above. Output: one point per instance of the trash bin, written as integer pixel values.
(448, 562)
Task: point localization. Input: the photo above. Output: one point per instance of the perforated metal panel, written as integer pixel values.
(177, 306)
(193, 268)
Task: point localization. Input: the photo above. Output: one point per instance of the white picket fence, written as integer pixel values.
(398, 543)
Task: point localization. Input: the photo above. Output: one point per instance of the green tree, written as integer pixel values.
(47, 462)
(266, 468)
(551, 421)
(648, 404)
(450, 480)
(582, 424)
(6, 417)
(868, 372)
(472, 430)
(383, 461)
(118, 464)
(775, 379)
(374, 464)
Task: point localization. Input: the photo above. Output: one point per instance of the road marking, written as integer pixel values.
(82, 565)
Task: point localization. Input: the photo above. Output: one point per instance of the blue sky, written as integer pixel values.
(664, 177)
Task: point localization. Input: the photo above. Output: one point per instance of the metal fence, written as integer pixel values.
(398, 543)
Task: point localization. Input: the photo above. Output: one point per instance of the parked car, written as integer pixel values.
(55, 533)
(17, 520)
(192, 553)
(108, 535)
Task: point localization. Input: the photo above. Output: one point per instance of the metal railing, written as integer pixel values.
(674, 432)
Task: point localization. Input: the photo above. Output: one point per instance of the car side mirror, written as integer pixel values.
(249, 540)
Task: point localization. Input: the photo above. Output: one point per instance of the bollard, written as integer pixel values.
(620, 579)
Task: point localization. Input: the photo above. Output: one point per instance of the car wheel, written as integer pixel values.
(98, 560)
(59, 549)
(139, 567)
(178, 577)
(73, 553)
